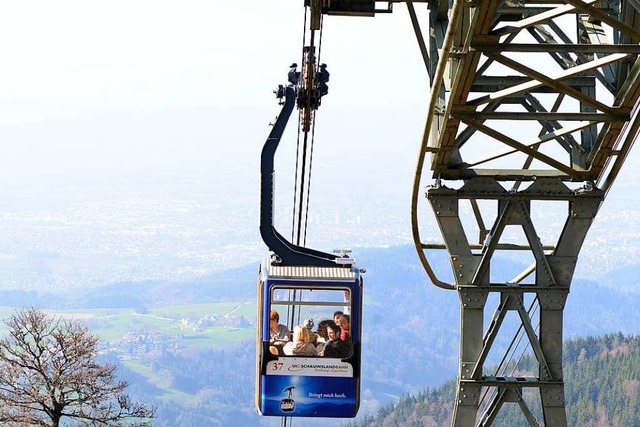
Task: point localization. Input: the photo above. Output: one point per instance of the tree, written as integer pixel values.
(49, 371)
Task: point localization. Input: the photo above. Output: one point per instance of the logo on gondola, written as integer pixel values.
(288, 404)
(295, 368)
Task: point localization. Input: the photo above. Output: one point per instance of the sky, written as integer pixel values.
(89, 88)
(93, 87)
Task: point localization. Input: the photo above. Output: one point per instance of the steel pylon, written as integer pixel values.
(533, 110)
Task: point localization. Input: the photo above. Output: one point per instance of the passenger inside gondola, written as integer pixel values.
(335, 347)
(336, 316)
(313, 337)
(300, 346)
(322, 337)
(278, 333)
(343, 322)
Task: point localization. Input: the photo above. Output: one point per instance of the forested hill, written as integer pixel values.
(602, 386)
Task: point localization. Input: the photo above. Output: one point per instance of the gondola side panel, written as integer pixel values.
(310, 387)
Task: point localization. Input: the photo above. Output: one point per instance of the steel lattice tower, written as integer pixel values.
(534, 104)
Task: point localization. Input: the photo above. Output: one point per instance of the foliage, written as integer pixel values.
(602, 388)
(48, 371)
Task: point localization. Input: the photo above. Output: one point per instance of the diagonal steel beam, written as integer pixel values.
(539, 79)
(551, 136)
(604, 17)
(523, 148)
(539, 18)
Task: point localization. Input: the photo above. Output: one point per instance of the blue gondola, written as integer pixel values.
(316, 386)
(300, 283)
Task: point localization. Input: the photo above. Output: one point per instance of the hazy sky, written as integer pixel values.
(89, 87)
(92, 87)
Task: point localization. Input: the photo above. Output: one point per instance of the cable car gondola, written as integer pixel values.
(324, 386)
(298, 283)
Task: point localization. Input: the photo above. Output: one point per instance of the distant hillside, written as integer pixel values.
(406, 318)
(410, 336)
(602, 386)
(229, 285)
(624, 279)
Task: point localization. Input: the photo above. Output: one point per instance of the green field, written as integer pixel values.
(179, 323)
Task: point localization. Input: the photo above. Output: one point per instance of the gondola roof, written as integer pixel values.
(314, 273)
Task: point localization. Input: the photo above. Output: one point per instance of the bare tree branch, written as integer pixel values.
(48, 371)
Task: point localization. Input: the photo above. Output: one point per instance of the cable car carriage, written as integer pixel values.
(312, 385)
(298, 283)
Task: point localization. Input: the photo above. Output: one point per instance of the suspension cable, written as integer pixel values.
(303, 174)
(313, 132)
(287, 421)
(306, 216)
(320, 38)
(295, 185)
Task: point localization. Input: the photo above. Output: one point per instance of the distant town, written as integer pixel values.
(96, 241)
(151, 343)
